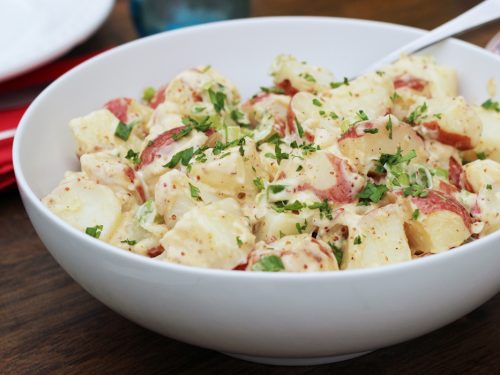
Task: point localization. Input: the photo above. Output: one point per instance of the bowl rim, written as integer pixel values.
(111, 250)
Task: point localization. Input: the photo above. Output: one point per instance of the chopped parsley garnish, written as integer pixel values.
(133, 156)
(415, 214)
(391, 160)
(317, 102)
(324, 209)
(299, 168)
(195, 192)
(439, 116)
(371, 130)
(259, 183)
(388, 126)
(237, 116)
(276, 188)
(129, 242)
(415, 190)
(191, 124)
(357, 240)
(269, 263)
(273, 90)
(491, 105)
(417, 114)
(307, 148)
(148, 94)
(489, 187)
(380, 73)
(239, 241)
(301, 228)
(279, 155)
(183, 156)
(395, 96)
(337, 252)
(283, 206)
(217, 98)
(481, 155)
(123, 130)
(94, 231)
(361, 115)
(440, 172)
(308, 77)
(334, 85)
(372, 193)
(300, 129)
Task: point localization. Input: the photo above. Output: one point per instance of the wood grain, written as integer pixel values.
(48, 324)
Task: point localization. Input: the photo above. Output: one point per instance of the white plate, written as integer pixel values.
(33, 32)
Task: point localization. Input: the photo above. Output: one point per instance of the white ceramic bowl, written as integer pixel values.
(271, 318)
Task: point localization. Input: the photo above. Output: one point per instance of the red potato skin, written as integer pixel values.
(287, 87)
(458, 141)
(162, 141)
(447, 188)
(356, 131)
(155, 251)
(455, 173)
(119, 108)
(158, 98)
(241, 267)
(138, 187)
(438, 201)
(411, 82)
(342, 191)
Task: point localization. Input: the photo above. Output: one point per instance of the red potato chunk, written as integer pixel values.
(297, 253)
(448, 120)
(330, 177)
(362, 147)
(442, 223)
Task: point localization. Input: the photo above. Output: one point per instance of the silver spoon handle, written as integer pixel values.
(486, 11)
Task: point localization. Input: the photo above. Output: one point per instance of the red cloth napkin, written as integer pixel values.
(9, 119)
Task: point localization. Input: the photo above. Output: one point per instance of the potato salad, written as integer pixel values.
(313, 173)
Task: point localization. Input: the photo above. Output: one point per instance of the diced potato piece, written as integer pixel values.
(84, 203)
(363, 147)
(435, 80)
(230, 173)
(130, 111)
(299, 253)
(442, 223)
(274, 225)
(176, 194)
(327, 175)
(268, 114)
(190, 88)
(212, 236)
(480, 173)
(96, 132)
(377, 239)
(301, 76)
(487, 209)
(451, 121)
(129, 235)
(109, 170)
(160, 151)
(369, 93)
(490, 137)
(318, 117)
(439, 154)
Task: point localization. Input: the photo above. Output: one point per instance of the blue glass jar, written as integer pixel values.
(153, 16)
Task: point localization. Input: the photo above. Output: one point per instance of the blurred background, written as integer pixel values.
(148, 14)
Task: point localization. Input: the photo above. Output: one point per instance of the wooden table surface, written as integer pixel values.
(48, 323)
